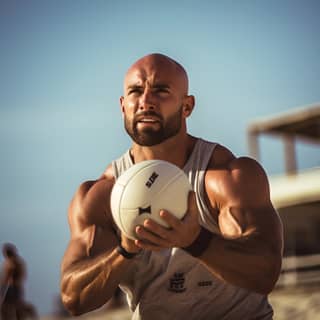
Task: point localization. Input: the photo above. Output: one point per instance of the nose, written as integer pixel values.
(147, 101)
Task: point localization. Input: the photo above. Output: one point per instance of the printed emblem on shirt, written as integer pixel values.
(205, 283)
(177, 283)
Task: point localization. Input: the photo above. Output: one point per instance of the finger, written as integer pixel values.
(170, 219)
(148, 236)
(157, 229)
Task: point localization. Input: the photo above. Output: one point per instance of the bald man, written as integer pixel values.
(220, 262)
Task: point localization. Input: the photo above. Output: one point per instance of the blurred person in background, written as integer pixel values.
(12, 303)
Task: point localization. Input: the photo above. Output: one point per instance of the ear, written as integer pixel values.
(122, 104)
(188, 105)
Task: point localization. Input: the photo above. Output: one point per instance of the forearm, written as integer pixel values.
(88, 285)
(245, 262)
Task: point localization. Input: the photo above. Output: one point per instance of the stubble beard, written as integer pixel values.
(150, 136)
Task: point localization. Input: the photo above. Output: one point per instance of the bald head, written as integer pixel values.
(155, 103)
(156, 66)
(9, 250)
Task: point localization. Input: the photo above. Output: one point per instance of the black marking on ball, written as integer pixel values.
(152, 179)
(145, 210)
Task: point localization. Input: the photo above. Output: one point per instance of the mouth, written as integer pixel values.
(148, 120)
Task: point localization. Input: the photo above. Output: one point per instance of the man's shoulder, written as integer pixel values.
(234, 177)
(224, 158)
(106, 177)
(108, 173)
(221, 158)
(90, 204)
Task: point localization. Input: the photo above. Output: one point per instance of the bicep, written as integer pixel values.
(91, 228)
(242, 194)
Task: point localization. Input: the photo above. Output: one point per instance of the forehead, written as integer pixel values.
(154, 70)
(151, 73)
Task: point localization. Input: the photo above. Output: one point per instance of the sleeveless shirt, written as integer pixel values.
(171, 284)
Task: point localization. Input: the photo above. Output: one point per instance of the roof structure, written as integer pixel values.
(302, 123)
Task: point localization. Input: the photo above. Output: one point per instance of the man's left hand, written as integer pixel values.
(181, 233)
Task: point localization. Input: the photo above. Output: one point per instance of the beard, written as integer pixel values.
(150, 136)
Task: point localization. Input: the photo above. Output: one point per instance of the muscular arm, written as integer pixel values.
(91, 268)
(249, 252)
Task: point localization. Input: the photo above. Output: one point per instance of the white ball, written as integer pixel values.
(146, 188)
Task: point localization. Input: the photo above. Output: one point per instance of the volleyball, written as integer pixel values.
(146, 188)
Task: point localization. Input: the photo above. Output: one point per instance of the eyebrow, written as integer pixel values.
(155, 86)
(161, 86)
(134, 86)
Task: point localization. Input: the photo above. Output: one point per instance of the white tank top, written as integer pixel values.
(171, 284)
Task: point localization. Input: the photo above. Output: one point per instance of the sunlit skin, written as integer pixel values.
(155, 93)
(155, 106)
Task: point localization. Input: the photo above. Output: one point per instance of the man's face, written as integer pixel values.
(152, 103)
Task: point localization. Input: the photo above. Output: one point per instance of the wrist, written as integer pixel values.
(125, 253)
(200, 244)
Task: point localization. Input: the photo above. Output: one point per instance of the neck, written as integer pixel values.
(175, 150)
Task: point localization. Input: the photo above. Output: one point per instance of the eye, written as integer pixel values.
(162, 91)
(135, 91)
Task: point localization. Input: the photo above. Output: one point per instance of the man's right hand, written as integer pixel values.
(129, 244)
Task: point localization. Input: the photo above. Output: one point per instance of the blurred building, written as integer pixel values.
(296, 193)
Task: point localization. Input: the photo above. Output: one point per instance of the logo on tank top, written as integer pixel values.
(205, 283)
(176, 283)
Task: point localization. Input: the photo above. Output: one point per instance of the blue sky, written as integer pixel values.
(62, 65)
